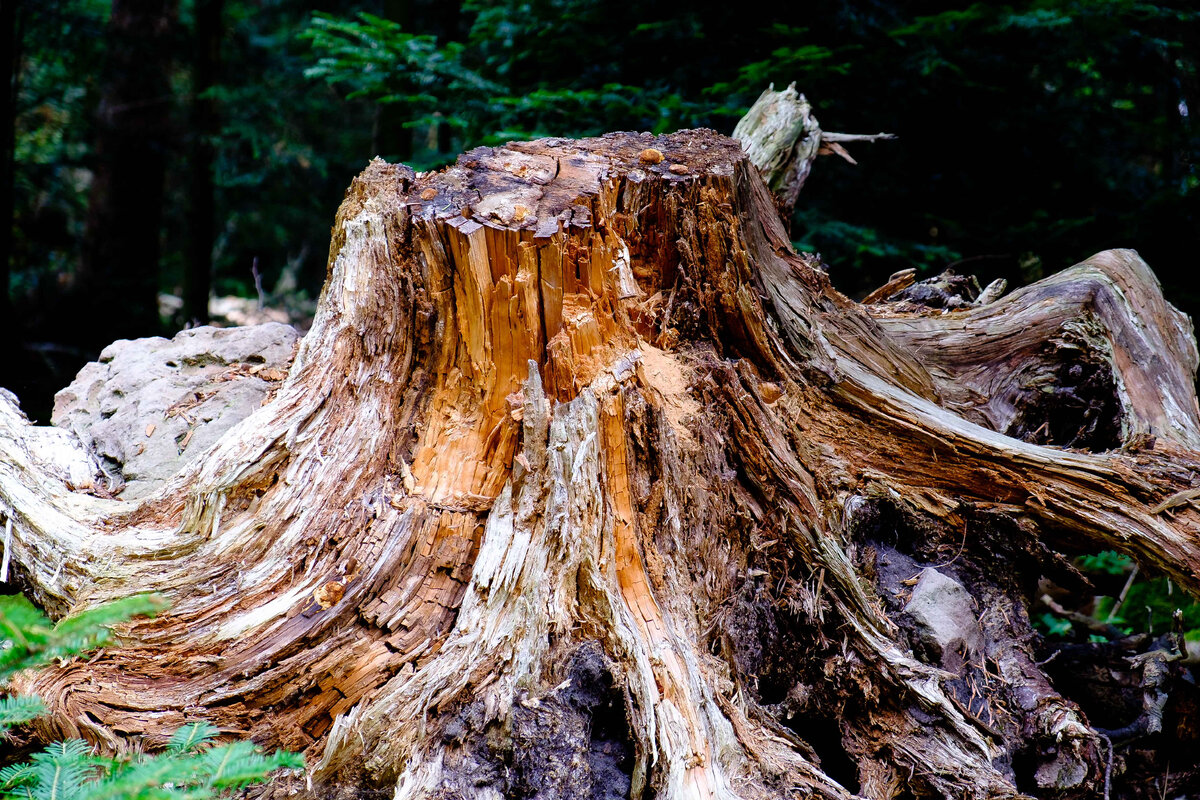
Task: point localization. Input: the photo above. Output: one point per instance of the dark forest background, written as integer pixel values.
(192, 147)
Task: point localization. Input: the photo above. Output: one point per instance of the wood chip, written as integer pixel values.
(150, 430)
(328, 594)
(833, 148)
(1176, 500)
(897, 283)
(769, 391)
(650, 156)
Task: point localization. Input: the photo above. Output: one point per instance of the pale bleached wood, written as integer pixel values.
(562, 393)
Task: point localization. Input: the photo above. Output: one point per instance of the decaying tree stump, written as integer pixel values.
(782, 138)
(584, 484)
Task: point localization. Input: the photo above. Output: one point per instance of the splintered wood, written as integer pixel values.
(565, 392)
(669, 674)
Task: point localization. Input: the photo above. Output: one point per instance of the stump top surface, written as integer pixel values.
(529, 185)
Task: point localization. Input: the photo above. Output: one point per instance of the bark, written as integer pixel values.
(10, 32)
(584, 484)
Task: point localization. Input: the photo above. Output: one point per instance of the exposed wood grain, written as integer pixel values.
(562, 394)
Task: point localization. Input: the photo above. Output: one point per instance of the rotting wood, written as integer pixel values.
(782, 138)
(559, 400)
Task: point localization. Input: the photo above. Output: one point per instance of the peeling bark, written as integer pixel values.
(584, 484)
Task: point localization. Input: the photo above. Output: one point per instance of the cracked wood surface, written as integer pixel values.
(573, 390)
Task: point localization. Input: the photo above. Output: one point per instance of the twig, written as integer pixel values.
(1177, 499)
(258, 287)
(961, 548)
(1091, 623)
(827, 136)
(897, 283)
(7, 548)
(1053, 656)
(1124, 592)
(1107, 766)
(662, 331)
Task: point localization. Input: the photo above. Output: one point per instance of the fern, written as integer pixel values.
(60, 771)
(240, 764)
(200, 771)
(29, 639)
(190, 768)
(16, 709)
(16, 776)
(191, 738)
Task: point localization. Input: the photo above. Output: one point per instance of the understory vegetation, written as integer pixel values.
(1031, 135)
(191, 765)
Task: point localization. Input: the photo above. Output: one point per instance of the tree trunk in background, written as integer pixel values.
(584, 484)
(198, 274)
(9, 71)
(118, 281)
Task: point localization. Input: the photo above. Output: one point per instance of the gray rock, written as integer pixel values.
(149, 406)
(945, 615)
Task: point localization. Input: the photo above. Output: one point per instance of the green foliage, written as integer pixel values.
(52, 132)
(16, 709)
(31, 640)
(1148, 606)
(285, 152)
(1106, 562)
(191, 767)
(792, 60)
(993, 104)
(1054, 624)
(1032, 132)
(860, 246)
(374, 58)
(483, 91)
(28, 639)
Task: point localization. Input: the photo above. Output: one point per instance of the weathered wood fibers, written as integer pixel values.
(562, 393)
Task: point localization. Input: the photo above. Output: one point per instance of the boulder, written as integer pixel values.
(945, 615)
(149, 406)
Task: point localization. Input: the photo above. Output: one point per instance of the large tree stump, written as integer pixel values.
(584, 484)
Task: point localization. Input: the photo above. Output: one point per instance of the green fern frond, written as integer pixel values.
(191, 738)
(190, 768)
(14, 776)
(148, 778)
(28, 639)
(19, 708)
(238, 764)
(59, 771)
(91, 628)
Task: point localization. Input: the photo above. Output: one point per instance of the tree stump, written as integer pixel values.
(584, 484)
